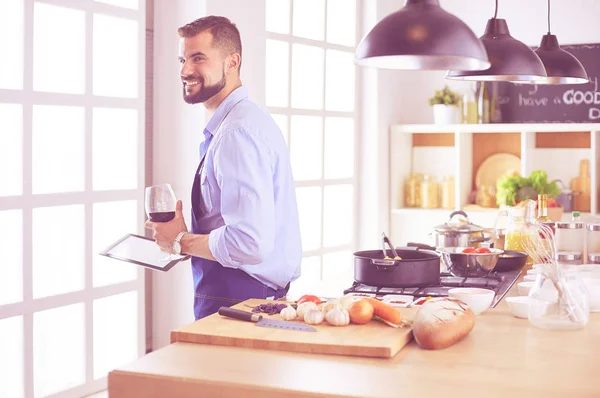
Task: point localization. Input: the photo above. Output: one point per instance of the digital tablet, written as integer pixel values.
(142, 251)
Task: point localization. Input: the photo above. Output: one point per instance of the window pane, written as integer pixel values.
(11, 247)
(11, 149)
(310, 278)
(58, 349)
(339, 147)
(11, 352)
(341, 22)
(277, 73)
(307, 77)
(115, 57)
(115, 148)
(338, 213)
(309, 19)
(278, 16)
(115, 332)
(306, 147)
(58, 149)
(340, 81)
(133, 4)
(309, 210)
(282, 122)
(58, 49)
(112, 220)
(338, 270)
(58, 250)
(11, 44)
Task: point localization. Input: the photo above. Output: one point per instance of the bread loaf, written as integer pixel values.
(441, 322)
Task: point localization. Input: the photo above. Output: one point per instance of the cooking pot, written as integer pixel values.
(460, 233)
(381, 268)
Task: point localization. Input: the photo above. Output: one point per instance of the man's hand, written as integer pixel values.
(164, 233)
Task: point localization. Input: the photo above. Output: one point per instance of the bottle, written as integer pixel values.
(581, 187)
(542, 210)
(483, 104)
(469, 104)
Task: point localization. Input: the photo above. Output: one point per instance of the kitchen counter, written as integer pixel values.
(502, 357)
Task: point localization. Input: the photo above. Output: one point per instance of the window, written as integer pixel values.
(311, 93)
(71, 183)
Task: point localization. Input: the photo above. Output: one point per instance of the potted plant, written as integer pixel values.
(445, 103)
(512, 188)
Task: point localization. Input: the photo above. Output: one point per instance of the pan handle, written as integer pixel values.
(462, 213)
(420, 246)
(384, 265)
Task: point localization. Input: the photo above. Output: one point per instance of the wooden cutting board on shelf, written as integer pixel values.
(374, 339)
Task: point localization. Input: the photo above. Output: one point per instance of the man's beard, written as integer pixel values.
(205, 92)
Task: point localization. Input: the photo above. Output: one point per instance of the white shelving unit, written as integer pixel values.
(410, 224)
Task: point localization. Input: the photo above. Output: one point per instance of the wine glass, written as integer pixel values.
(160, 207)
(160, 203)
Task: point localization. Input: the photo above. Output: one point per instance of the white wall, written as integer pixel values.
(177, 133)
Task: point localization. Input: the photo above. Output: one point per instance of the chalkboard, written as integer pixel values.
(569, 103)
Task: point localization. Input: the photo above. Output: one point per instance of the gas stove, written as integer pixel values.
(500, 282)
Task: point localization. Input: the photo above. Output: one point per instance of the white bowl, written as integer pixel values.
(519, 306)
(524, 287)
(398, 300)
(361, 295)
(477, 299)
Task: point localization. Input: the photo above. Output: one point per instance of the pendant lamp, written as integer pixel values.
(423, 36)
(562, 67)
(511, 59)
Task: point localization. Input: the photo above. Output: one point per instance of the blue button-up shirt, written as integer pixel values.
(249, 200)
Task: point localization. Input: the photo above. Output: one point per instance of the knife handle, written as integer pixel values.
(241, 315)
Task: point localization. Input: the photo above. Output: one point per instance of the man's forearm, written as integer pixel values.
(196, 245)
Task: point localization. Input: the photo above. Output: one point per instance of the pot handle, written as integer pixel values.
(384, 265)
(454, 213)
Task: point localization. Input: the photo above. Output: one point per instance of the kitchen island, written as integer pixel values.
(502, 357)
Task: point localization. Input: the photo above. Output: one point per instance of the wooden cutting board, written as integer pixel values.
(374, 339)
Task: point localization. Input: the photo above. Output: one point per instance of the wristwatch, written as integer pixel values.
(177, 242)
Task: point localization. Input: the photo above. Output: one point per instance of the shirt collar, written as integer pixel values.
(223, 109)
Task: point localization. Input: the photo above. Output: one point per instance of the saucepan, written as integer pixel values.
(397, 267)
(460, 232)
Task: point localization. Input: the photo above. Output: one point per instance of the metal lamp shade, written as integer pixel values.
(511, 59)
(422, 36)
(562, 67)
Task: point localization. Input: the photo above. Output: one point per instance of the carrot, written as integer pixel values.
(385, 311)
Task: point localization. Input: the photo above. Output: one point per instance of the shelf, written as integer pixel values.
(494, 128)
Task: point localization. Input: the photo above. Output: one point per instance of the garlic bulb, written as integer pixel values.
(288, 313)
(302, 308)
(329, 305)
(338, 317)
(347, 301)
(313, 316)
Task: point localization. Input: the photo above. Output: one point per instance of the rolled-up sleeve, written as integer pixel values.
(243, 166)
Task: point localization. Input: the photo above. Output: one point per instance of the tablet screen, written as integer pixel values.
(142, 251)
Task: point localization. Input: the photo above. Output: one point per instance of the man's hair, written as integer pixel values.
(226, 36)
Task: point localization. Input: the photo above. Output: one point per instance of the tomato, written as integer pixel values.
(483, 250)
(469, 250)
(309, 297)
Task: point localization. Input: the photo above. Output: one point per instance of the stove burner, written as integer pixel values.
(500, 282)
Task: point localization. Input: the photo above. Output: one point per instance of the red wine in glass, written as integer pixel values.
(160, 206)
(162, 216)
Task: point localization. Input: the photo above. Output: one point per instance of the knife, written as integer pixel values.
(264, 322)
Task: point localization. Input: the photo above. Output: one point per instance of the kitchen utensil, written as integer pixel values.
(417, 267)
(384, 240)
(511, 260)
(264, 322)
(494, 167)
(459, 232)
(565, 198)
(469, 264)
(374, 339)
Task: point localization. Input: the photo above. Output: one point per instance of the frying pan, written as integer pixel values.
(510, 261)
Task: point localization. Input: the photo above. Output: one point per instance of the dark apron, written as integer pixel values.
(214, 285)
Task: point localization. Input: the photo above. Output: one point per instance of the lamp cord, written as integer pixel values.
(548, 16)
(496, 12)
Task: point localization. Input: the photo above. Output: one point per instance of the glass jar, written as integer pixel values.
(560, 303)
(570, 236)
(570, 258)
(448, 192)
(516, 230)
(429, 193)
(592, 238)
(412, 190)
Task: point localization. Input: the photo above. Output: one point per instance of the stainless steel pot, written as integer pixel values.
(461, 234)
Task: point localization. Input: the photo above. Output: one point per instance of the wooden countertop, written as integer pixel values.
(502, 357)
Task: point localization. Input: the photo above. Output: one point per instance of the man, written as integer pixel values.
(245, 237)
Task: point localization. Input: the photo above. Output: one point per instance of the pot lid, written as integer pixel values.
(458, 222)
